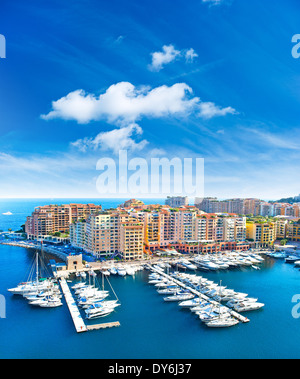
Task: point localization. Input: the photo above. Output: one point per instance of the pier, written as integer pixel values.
(198, 294)
(76, 316)
(79, 323)
(103, 326)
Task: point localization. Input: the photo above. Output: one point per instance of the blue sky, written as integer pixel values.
(208, 79)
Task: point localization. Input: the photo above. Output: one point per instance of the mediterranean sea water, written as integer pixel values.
(149, 327)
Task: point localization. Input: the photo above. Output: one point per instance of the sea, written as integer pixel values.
(149, 327)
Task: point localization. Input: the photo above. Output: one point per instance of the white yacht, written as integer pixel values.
(121, 271)
(101, 309)
(206, 264)
(113, 270)
(187, 264)
(191, 303)
(291, 259)
(166, 283)
(80, 290)
(169, 290)
(80, 285)
(93, 293)
(179, 297)
(42, 294)
(206, 306)
(85, 301)
(32, 285)
(222, 322)
(51, 303)
(47, 302)
(129, 270)
(105, 311)
(102, 303)
(233, 302)
(248, 306)
(213, 316)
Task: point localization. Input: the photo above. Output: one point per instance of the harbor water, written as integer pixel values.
(149, 327)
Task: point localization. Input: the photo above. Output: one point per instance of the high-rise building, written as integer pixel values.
(49, 219)
(263, 233)
(131, 240)
(177, 201)
(122, 230)
(294, 231)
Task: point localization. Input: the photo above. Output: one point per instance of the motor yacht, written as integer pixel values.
(179, 297)
(222, 322)
(121, 271)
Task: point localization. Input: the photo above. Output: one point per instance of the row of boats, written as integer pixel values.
(92, 299)
(216, 262)
(122, 270)
(289, 258)
(39, 291)
(227, 261)
(208, 305)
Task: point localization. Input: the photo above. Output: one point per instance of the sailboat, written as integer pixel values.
(221, 322)
(33, 285)
(41, 292)
(47, 302)
(100, 307)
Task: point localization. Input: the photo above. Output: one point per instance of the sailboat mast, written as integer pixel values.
(37, 268)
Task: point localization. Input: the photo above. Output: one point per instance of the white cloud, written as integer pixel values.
(76, 105)
(209, 110)
(168, 55)
(275, 141)
(115, 140)
(159, 59)
(57, 164)
(123, 103)
(119, 40)
(212, 2)
(190, 55)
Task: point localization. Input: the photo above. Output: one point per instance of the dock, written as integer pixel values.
(198, 294)
(75, 313)
(79, 323)
(103, 326)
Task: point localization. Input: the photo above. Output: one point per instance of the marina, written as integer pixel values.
(191, 288)
(188, 321)
(175, 286)
(145, 313)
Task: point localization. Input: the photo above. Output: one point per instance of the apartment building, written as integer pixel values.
(120, 230)
(99, 234)
(263, 233)
(294, 231)
(177, 201)
(281, 227)
(49, 219)
(247, 206)
(113, 232)
(78, 234)
(131, 240)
